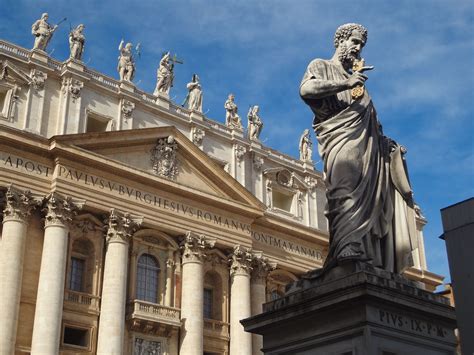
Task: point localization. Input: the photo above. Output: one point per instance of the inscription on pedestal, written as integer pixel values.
(413, 325)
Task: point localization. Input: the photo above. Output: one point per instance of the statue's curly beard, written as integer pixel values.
(347, 55)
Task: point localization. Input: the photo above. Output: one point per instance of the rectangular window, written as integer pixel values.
(282, 200)
(76, 276)
(76, 337)
(208, 294)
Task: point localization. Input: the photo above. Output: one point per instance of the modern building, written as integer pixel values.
(133, 225)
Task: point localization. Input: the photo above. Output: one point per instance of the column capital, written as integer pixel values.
(194, 247)
(261, 267)
(241, 261)
(121, 226)
(18, 204)
(60, 210)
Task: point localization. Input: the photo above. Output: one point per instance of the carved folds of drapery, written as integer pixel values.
(18, 204)
(241, 261)
(121, 226)
(194, 247)
(261, 266)
(60, 210)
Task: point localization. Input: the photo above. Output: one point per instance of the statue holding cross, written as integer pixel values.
(165, 74)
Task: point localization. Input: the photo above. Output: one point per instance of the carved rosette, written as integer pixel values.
(311, 182)
(194, 247)
(60, 210)
(38, 78)
(18, 205)
(260, 269)
(120, 227)
(239, 152)
(241, 261)
(258, 163)
(198, 136)
(164, 158)
(73, 86)
(127, 109)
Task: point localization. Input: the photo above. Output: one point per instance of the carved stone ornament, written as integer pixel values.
(261, 266)
(241, 261)
(146, 347)
(239, 152)
(198, 135)
(311, 182)
(74, 87)
(258, 163)
(18, 204)
(127, 109)
(163, 158)
(38, 78)
(120, 226)
(195, 246)
(60, 210)
(284, 178)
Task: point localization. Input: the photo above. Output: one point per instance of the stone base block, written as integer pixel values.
(363, 311)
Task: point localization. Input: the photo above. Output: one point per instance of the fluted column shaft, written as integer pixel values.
(241, 266)
(112, 310)
(12, 252)
(49, 301)
(191, 342)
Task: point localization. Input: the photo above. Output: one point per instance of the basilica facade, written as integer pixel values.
(132, 225)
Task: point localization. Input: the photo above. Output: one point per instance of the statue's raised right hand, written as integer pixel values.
(356, 79)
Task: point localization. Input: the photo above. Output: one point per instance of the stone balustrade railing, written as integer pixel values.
(216, 327)
(87, 300)
(155, 312)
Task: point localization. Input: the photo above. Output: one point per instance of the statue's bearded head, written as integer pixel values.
(349, 40)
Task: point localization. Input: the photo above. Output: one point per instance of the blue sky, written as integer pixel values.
(422, 85)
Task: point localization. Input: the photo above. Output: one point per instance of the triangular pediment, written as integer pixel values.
(12, 73)
(166, 155)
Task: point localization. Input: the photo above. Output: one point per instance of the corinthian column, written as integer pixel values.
(112, 311)
(18, 206)
(192, 297)
(49, 301)
(261, 268)
(240, 268)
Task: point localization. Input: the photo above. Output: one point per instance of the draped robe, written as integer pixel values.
(369, 206)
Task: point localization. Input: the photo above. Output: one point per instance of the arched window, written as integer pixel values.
(148, 271)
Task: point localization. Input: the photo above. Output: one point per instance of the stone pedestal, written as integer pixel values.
(358, 310)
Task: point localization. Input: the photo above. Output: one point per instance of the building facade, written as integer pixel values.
(133, 225)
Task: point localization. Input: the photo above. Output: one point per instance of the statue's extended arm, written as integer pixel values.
(317, 88)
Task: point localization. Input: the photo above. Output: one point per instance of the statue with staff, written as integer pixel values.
(126, 61)
(43, 31)
(165, 74)
(76, 42)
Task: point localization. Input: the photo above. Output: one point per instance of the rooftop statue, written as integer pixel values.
(164, 75)
(305, 146)
(255, 124)
(370, 205)
(232, 119)
(193, 100)
(126, 62)
(43, 32)
(77, 42)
